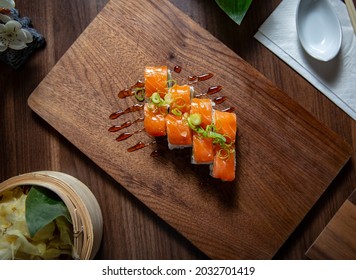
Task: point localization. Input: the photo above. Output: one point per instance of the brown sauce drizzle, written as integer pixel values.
(229, 109)
(200, 78)
(177, 69)
(125, 135)
(210, 91)
(116, 128)
(219, 99)
(125, 93)
(130, 91)
(140, 145)
(213, 89)
(133, 108)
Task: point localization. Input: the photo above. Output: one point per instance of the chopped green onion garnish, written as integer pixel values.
(216, 136)
(201, 131)
(210, 127)
(228, 138)
(155, 98)
(162, 110)
(195, 119)
(171, 83)
(223, 154)
(168, 98)
(139, 94)
(179, 102)
(151, 106)
(194, 122)
(176, 112)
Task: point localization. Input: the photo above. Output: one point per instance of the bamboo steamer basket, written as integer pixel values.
(82, 205)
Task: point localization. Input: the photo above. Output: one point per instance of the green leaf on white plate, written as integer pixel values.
(42, 207)
(235, 9)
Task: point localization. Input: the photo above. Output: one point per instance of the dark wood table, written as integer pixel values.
(131, 230)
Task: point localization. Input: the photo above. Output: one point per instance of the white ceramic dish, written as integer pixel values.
(319, 29)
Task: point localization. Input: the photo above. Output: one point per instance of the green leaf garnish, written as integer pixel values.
(42, 207)
(235, 9)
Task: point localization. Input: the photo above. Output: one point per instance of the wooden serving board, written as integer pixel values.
(338, 240)
(286, 158)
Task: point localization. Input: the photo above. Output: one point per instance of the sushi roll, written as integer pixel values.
(154, 120)
(171, 110)
(202, 152)
(203, 107)
(179, 134)
(156, 109)
(157, 79)
(179, 98)
(225, 123)
(190, 122)
(224, 163)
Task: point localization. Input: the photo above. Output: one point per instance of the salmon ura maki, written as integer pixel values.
(225, 159)
(202, 152)
(180, 99)
(226, 125)
(154, 120)
(156, 80)
(179, 134)
(156, 87)
(224, 165)
(172, 111)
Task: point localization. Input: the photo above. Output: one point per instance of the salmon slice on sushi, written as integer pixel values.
(156, 80)
(179, 98)
(179, 134)
(224, 163)
(154, 120)
(202, 152)
(225, 124)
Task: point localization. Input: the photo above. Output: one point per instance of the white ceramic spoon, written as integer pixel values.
(319, 29)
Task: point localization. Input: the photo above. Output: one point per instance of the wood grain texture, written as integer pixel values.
(131, 230)
(338, 240)
(286, 157)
